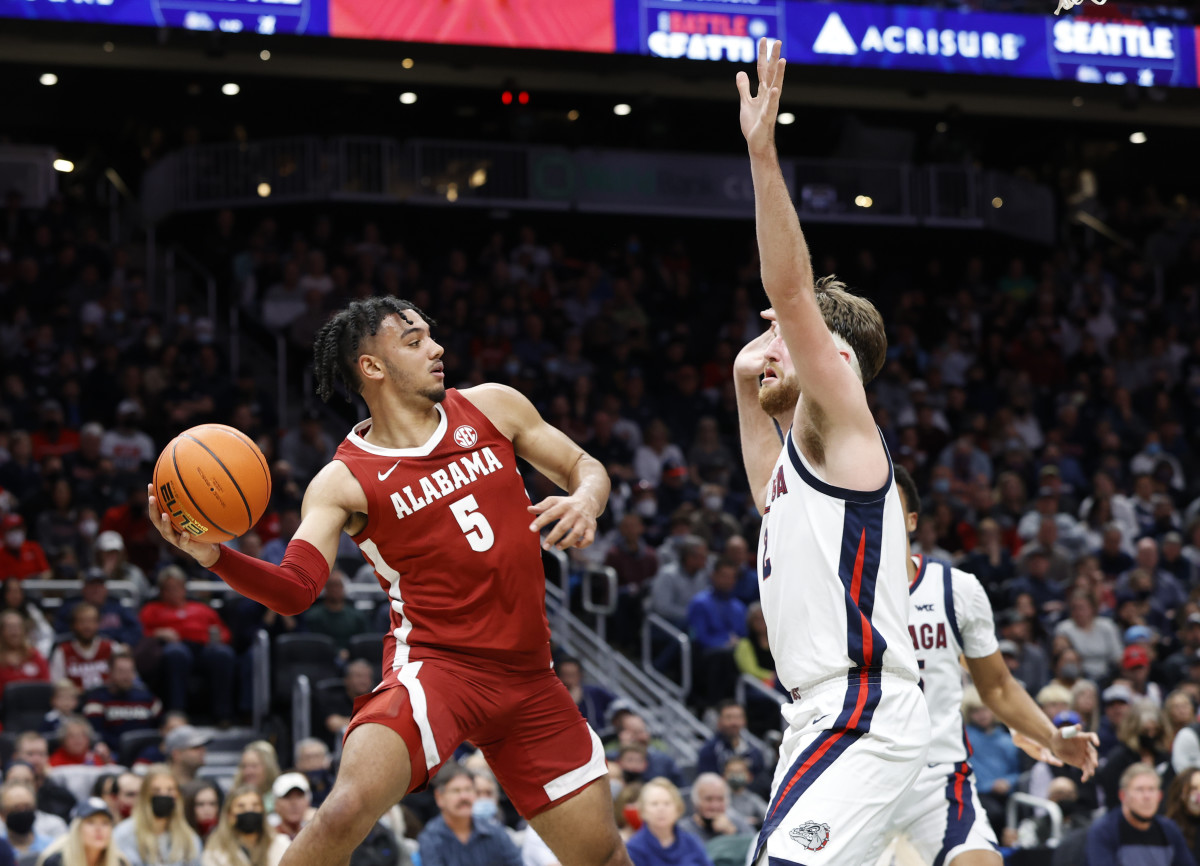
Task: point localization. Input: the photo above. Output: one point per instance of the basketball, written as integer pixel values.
(213, 481)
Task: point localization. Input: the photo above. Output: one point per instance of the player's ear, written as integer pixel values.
(370, 368)
(911, 519)
(845, 355)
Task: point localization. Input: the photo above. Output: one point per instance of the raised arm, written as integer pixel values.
(824, 376)
(551, 452)
(759, 435)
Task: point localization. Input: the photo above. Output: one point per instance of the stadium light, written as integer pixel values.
(264, 189)
(407, 63)
(787, 118)
(64, 165)
(408, 97)
(48, 79)
(1137, 137)
(452, 192)
(1077, 102)
(621, 109)
(997, 202)
(109, 47)
(572, 115)
(264, 55)
(523, 97)
(863, 200)
(506, 97)
(230, 88)
(478, 178)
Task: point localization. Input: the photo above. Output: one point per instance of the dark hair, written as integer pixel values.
(909, 488)
(856, 321)
(192, 790)
(726, 703)
(449, 773)
(337, 345)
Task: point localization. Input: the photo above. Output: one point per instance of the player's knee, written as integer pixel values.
(343, 814)
(617, 856)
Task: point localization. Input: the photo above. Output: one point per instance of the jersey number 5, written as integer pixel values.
(474, 525)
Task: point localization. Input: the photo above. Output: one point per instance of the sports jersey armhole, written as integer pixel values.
(951, 614)
(368, 490)
(480, 417)
(844, 493)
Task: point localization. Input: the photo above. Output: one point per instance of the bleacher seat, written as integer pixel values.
(368, 647)
(133, 743)
(313, 655)
(26, 705)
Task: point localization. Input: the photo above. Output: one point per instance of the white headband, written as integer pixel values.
(843, 346)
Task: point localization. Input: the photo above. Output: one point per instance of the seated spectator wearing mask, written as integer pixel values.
(89, 842)
(660, 842)
(1135, 833)
(742, 800)
(202, 803)
(157, 834)
(243, 836)
(456, 837)
(293, 804)
(51, 797)
(313, 760)
(44, 823)
(711, 815)
(18, 811)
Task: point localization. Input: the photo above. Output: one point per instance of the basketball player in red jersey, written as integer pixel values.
(428, 487)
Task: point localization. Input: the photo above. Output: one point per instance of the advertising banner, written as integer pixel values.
(296, 17)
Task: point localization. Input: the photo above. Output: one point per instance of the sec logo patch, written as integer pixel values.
(466, 436)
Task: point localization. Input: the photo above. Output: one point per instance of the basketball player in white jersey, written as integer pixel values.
(951, 618)
(832, 548)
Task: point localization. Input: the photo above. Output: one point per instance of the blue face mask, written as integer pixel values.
(941, 485)
(484, 810)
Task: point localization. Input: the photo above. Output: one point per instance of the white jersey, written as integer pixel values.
(950, 616)
(832, 576)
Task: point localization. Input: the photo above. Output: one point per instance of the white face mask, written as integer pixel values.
(647, 508)
(87, 528)
(713, 503)
(14, 538)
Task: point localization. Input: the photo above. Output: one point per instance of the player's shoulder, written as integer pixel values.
(508, 409)
(336, 485)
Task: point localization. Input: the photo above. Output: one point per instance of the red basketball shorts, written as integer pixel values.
(535, 741)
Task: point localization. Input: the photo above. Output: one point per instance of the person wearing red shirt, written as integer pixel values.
(20, 557)
(53, 438)
(76, 748)
(191, 634)
(19, 661)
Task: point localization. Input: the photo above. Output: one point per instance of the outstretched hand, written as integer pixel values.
(576, 526)
(203, 553)
(760, 111)
(1078, 750)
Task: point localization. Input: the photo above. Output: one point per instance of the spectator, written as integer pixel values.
(76, 745)
(455, 837)
(202, 801)
(19, 660)
(717, 622)
(753, 652)
(64, 702)
(677, 584)
(258, 768)
(191, 634)
(728, 742)
(990, 561)
(994, 758)
(118, 623)
(631, 729)
(742, 800)
(307, 447)
(121, 705)
(293, 804)
(86, 657)
(1166, 595)
(592, 700)
(243, 836)
(1135, 666)
(711, 521)
(333, 616)
(1174, 561)
(110, 559)
(1046, 594)
(89, 842)
(313, 760)
(1026, 659)
(185, 749)
(128, 785)
(1183, 807)
(157, 834)
(1176, 665)
(635, 563)
(33, 750)
(40, 631)
(1141, 739)
(18, 811)
(711, 816)
(1095, 638)
(656, 453)
(44, 823)
(658, 843)
(337, 709)
(1134, 833)
(21, 557)
(129, 448)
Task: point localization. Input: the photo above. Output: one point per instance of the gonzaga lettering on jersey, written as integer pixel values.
(949, 616)
(448, 536)
(825, 550)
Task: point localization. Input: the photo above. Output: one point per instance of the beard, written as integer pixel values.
(781, 397)
(404, 381)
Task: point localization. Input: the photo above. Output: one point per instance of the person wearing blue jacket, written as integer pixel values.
(1135, 834)
(659, 842)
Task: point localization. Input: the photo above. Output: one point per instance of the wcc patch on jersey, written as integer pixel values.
(811, 835)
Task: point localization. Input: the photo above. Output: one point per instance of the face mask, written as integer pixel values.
(713, 503)
(1153, 448)
(941, 485)
(14, 538)
(205, 827)
(248, 822)
(1147, 742)
(1069, 671)
(162, 806)
(647, 508)
(484, 809)
(88, 528)
(20, 823)
(615, 786)
(125, 809)
(737, 781)
(631, 776)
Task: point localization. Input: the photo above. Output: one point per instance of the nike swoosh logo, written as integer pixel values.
(819, 718)
(383, 476)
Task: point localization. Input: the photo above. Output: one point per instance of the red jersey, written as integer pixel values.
(192, 622)
(29, 560)
(88, 668)
(448, 536)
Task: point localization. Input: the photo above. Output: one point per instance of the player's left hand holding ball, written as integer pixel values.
(576, 525)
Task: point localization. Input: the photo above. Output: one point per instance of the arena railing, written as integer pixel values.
(481, 174)
(1039, 806)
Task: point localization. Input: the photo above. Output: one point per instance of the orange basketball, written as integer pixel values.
(213, 481)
